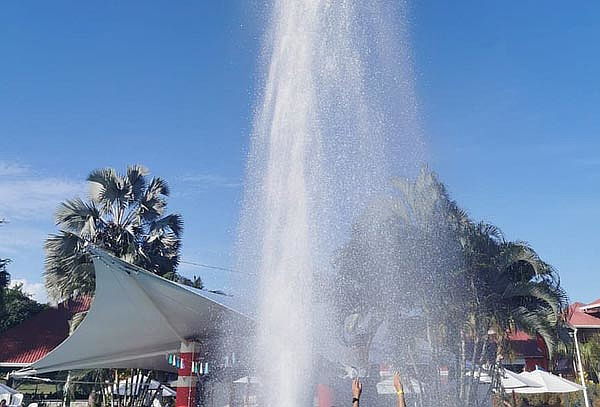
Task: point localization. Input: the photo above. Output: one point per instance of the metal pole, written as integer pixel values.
(581, 376)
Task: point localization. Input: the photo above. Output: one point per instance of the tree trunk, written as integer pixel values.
(462, 365)
(471, 378)
(417, 375)
(482, 359)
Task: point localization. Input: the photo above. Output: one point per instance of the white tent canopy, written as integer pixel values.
(137, 318)
(511, 380)
(548, 383)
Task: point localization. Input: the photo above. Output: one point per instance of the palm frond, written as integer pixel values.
(553, 297)
(108, 189)
(68, 268)
(173, 223)
(534, 322)
(78, 217)
(157, 187)
(136, 177)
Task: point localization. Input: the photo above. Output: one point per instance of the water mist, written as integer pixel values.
(335, 120)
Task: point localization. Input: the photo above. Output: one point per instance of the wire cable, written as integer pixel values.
(208, 266)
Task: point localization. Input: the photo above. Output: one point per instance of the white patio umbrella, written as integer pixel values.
(548, 383)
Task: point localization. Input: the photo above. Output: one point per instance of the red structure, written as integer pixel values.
(186, 381)
(528, 351)
(34, 338)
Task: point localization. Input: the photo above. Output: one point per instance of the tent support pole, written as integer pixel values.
(581, 375)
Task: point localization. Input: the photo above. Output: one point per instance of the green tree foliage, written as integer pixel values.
(590, 356)
(508, 288)
(125, 215)
(19, 307)
(4, 281)
(417, 251)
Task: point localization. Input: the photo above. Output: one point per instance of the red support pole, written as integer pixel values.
(186, 381)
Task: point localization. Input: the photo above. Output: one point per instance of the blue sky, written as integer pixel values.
(508, 92)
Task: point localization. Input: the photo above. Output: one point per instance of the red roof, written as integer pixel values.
(34, 338)
(77, 305)
(592, 305)
(519, 336)
(581, 319)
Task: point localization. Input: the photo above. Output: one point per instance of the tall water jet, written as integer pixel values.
(336, 117)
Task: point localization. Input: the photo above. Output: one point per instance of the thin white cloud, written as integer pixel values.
(12, 169)
(35, 198)
(36, 290)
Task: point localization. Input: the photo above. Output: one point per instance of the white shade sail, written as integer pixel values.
(137, 318)
(549, 383)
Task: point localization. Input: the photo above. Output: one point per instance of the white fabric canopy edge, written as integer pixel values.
(131, 322)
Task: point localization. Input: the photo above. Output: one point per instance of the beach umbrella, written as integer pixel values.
(548, 383)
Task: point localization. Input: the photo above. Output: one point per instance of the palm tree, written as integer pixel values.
(125, 215)
(514, 288)
(509, 288)
(481, 279)
(418, 250)
(403, 256)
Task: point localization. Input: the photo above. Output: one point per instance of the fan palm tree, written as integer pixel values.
(125, 216)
